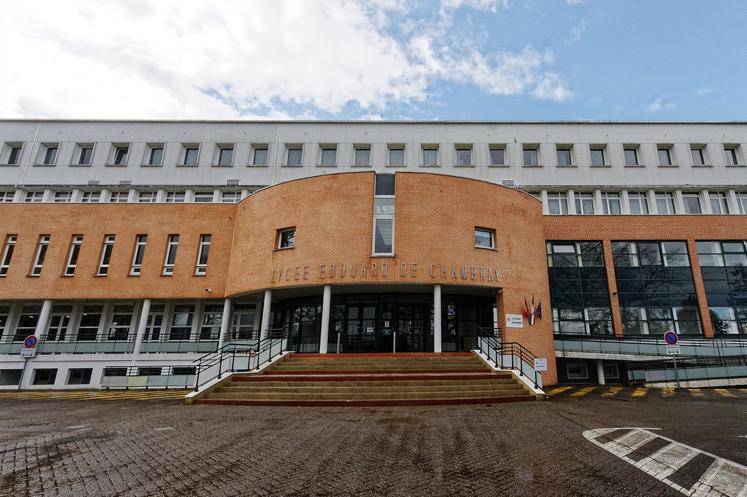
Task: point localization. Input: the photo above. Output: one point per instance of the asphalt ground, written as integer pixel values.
(162, 447)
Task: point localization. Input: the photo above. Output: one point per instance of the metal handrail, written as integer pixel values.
(683, 339)
(512, 349)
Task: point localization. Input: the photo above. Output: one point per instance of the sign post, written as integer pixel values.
(27, 352)
(672, 347)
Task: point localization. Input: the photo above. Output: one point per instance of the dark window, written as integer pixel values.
(149, 371)
(385, 184)
(183, 370)
(115, 371)
(286, 238)
(723, 265)
(81, 376)
(44, 376)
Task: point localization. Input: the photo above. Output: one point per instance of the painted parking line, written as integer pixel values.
(723, 392)
(639, 392)
(696, 392)
(558, 390)
(667, 392)
(693, 472)
(583, 392)
(612, 391)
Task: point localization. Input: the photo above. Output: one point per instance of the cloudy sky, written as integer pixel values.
(357, 59)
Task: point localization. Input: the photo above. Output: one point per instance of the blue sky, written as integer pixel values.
(390, 59)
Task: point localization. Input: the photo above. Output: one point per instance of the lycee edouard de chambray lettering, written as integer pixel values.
(389, 271)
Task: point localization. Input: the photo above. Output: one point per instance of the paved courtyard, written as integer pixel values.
(161, 447)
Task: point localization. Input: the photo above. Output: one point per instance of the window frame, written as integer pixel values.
(497, 147)
(602, 149)
(700, 149)
(562, 199)
(264, 147)
(42, 156)
(562, 149)
(150, 152)
(461, 148)
(608, 198)
(686, 197)
(359, 148)
(669, 150)
(184, 154)
(116, 148)
(172, 248)
(73, 254)
(488, 231)
(9, 246)
(220, 149)
(641, 199)
(529, 148)
(203, 250)
(636, 155)
(279, 241)
(8, 152)
(42, 246)
(396, 148)
(107, 248)
(328, 147)
(138, 252)
(731, 155)
(79, 150)
(583, 198)
(292, 147)
(427, 148)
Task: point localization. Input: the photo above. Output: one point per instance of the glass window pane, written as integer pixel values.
(497, 156)
(383, 236)
(564, 157)
(362, 156)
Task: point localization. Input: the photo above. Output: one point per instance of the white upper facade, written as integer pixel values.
(52, 153)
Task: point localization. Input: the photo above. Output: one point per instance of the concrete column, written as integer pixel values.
(132, 196)
(543, 199)
(624, 202)
(571, 202)
(733, 203)
(48, 196)
(257, 317)
(598, 206)
(437, 318)
(41, 325)
(266, 314)
(705, 202)
(651, 197)
(142, 326)
(679, 204)
(326, 305)
(225, 322)
(600, 371)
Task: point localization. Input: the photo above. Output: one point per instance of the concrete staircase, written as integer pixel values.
(371, 380)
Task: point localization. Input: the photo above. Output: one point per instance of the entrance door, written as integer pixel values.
(413, 324)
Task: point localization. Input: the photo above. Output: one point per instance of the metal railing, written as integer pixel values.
(511, 355)
(650, 346)
(146, 377)
(688, 369)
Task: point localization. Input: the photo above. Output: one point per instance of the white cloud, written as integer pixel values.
(660, 104)
(574, 2)
(701, 92)
(259, 59)
(576, 32)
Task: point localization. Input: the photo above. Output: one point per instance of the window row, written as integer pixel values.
(326, 154)
(104, 260)
(123, 196)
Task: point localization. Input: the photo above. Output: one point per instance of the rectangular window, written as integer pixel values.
(155, 154)
(665, 203)
(171, 247)
(230, 197)
(259, 155)
(463, 155)
(79, 376)
(691, 202)
(49, 154)
(631, 156)
(611, 203)
(638, 202)
(4, 315)
(484, 238)
(597, 156)
(190, 154)
(175, 197)
(60, 197)
(557, 203)
(119, 197)
(85, 154)
(27, 322)
(362, 156)
(719, 205)
(564, 156)
(155, 323)
(584, 203)
(385, 185)
(396, 155)
(665, 155)
(59, 323)
(742, 202)
(698, 155)
(531, 155)
(34, 197)
(41, 252)
(732, 155)
(7, 255)
(328, 156)
(295, 155)
(138, 255)
(212, 316)
(72, 255)
(106, 255)
(202, 255)
(88, 329)
(6, 196)
(497, 155)
(147, 197)
(119, 155)
(225, 155)
(90, 197)
(286, 238)
(44, 376)
(430, 155)
(12, 155)
(383, 236)
(384, 210)
(203, 197)
(181, 324)
(121, 324)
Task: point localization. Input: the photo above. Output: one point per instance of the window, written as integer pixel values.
(34, 197)
(147, 197)
(121, 322)
(295, 155)
(44, 376)
(155, 323)
(697, 153)
(138, 255)
(202, 255)
(119, 197)
(721, 254)
(212, 316)
(88, 329)
(41, 252)
(385, 185)
(230, 197)
(611, 203)
(48, 154)
(149, 371)
(183, 370)
(181, 323)
(175, 197)
(79, 376)
(396, 155)
(497, 155)
(113, 371)
(484, 238)
(597, 156)
(384, 210)
(564, 155)
(577, 371)
(7, 255)
(638, 202)
(203, 197)
(584, 203)
(383, 236)
(531, 155)
(631, 155)
(259, 155)
(119, 155)
(27, 322)
(665, 155)
(72, 255)
(224, 156)
(557, 203)
(59, 322)
(6, 196)
(665, 203)
(4, 316)
(328, 156)
(732, 155)
(286, 238)
(430, 155)
(12, 154)
(190, 154)
(85, 154)
(90, 197)
(742, 202)
(242, 327)
(154, 154)
(723, 265)
(362, 156)
(719, 205)
(691, 201)
(171, 247)
(60, 197)
(106, 255)
(463, 155)
(634, 254)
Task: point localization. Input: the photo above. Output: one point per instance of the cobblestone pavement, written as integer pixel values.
(61, 447)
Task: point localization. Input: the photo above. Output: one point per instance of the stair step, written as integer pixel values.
(336, 376)
(345, 389)
(368, 403)
(414, 395)
(368, 383)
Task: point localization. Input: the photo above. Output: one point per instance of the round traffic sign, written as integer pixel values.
(30, 341)
(670, 338)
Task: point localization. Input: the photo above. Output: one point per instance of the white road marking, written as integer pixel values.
(723, 478)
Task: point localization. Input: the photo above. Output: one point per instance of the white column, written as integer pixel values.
(571, 202)
(732, 202)
(543, 199)
(257, 317)
(48, 196)
(679, 204)
(326, 305)
(41, 325)
(132, 195)
(651, 197)
(598, 207)
(142, 326)
(225, 322)
(437, 318)
(266, 314)
(705, 202)
(624, 202)
(600, 371)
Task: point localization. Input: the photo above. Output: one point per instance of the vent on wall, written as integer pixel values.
(232, 182)
(93, 182)
(508, 182)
